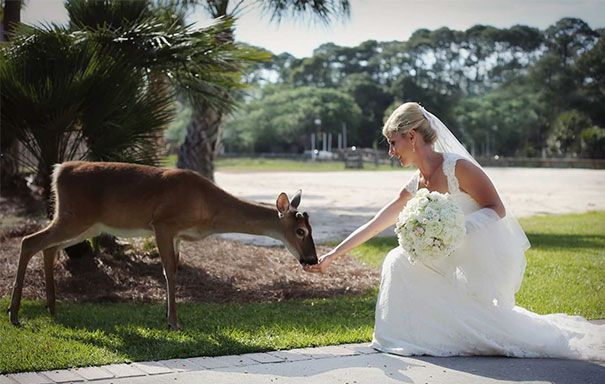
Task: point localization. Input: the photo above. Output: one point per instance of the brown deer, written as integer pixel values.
(129, 200)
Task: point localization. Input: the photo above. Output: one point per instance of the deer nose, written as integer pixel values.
(310, 260)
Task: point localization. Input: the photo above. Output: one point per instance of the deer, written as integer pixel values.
(174, 205)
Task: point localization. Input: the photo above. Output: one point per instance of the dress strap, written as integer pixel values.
(449, 170)
(412, 185)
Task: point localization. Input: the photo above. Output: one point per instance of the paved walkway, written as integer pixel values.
(339, 202)
(351, 363)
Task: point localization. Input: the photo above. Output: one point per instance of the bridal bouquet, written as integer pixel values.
(431, 226)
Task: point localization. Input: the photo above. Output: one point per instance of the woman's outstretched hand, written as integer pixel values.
(322, 264)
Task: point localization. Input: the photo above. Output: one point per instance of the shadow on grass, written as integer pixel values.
(565, 241)
(138, 331)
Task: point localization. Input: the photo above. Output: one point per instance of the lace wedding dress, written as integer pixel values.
(465, 304)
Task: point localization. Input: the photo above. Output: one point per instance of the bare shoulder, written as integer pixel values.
(466, 169)
(470, 176)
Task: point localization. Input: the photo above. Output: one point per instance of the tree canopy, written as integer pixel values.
(515, 91)
(282, 119)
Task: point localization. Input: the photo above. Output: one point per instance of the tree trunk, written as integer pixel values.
(12, 16)
(202, 142)
(9, 170)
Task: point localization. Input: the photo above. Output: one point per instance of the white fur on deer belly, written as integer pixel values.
(124, 232)
(192, 234)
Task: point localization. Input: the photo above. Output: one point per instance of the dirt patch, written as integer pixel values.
(212, 270)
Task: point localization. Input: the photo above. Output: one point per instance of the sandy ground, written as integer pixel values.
(338, 202)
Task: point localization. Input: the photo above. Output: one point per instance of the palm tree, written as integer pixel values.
(204, 131)
(97, 84)
(104, 88)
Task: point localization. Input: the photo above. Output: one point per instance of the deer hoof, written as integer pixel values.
(174, 327)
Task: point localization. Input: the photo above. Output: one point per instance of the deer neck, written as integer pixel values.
(247, 217)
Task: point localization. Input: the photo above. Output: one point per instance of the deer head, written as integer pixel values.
(296, 229)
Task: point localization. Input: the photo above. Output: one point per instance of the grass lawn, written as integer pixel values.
(248, 164)
(96, 334)
(565, 273)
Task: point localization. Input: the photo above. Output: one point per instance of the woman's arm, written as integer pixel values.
(475, 182)
(386, 217)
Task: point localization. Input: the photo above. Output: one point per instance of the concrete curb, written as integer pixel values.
(349, 363)
(163, 367)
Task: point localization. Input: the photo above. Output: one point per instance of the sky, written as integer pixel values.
(382, 20)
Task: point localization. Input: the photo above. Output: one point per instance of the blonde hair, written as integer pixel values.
(406, 117)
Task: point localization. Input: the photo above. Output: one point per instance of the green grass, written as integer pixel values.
(95, 334)
(247, 164)
(565, 273)
(566, 265)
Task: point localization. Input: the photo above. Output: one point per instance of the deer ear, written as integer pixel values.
(282, 203)
(296, 199)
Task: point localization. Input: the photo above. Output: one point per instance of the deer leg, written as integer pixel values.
(30, 245)
(49, 261)
(165, 243)
(50, 237)
(177, 252)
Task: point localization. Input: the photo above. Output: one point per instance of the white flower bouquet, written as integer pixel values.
(431, 226)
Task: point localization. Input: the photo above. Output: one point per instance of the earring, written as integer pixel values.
(413, 146)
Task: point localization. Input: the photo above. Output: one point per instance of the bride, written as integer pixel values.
(463, 304)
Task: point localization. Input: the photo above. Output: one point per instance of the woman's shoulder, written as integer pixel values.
(467, 172)
(460, 167)
(453, 156)
(412, 184)
(465, 167)
(459, 161)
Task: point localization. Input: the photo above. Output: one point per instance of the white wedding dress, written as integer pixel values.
(465, 304)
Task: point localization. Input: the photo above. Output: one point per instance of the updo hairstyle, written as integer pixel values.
(406, 117)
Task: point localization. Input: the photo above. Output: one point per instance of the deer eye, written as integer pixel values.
(300, 232)
(299, 215)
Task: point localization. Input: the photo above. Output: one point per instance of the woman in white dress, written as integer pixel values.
(463, 304)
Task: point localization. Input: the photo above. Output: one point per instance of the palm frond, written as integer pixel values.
(94, 14)
(204, 63)
(103, 89)
(322, 10)
(42, 75)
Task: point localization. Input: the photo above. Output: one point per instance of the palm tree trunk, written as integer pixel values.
(9, 170)
(12, 17)
(202, 142)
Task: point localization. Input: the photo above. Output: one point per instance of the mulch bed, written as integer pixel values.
(211, 270)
